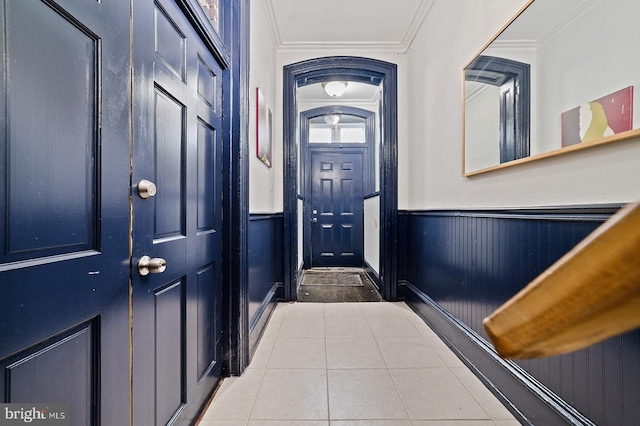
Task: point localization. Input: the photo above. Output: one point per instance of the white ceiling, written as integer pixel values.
(543, 20)
(345, 24)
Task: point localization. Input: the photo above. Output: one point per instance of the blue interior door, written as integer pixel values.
(337, 211)
(177, 145)
(64, 207)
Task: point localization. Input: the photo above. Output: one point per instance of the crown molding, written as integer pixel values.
(400, 47)
(272, 22)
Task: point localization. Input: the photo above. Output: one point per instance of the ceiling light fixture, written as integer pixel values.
(334, 88)
(331, 119)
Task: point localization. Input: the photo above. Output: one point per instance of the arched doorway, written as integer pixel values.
(363, 70)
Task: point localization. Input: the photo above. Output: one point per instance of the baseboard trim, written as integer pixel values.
(257, 326)
(372, 274)
(525, 397)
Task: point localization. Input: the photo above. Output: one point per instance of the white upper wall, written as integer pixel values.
(451, 35)
(263, 75)
(600, 63)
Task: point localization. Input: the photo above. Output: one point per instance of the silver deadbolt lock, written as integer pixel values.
(147, 265)
(314, 220)
(146, 189)
(315, 212)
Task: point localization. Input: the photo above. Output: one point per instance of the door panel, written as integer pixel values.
(59, 185)
(169, 154)
(337, 205)
(70, 356)
(177, 145)
(169, 350)
(64, 203)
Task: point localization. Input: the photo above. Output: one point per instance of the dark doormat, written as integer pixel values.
(330, 278)
(337, 286)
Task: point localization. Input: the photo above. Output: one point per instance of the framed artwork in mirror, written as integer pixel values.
(602, 117)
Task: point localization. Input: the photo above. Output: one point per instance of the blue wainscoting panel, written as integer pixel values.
(468, 263)
(266, 274)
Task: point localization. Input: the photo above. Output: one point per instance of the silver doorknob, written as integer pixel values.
(314, 220)
(146, 189)
(147, 265)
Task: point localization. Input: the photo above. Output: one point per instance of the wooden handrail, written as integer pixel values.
(589, 295)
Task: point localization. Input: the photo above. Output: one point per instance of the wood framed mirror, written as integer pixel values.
(575, 90)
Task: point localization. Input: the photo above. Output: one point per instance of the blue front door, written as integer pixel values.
(337, 211)
(177, 145)
(64, 207)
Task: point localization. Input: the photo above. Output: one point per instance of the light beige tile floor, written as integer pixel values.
(353, 364)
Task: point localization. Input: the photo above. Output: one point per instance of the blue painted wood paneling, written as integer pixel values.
(265, 269)
(209, 307)
(64, 207)
(469, 263)
(62, 370)
(169, 307)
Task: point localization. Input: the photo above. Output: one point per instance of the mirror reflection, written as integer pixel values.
(560, 77)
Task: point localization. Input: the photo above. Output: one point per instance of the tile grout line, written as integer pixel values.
(472, 395)
(266, 366)
(404, 405)
(451, 372)
(326, 364)
(447, 366)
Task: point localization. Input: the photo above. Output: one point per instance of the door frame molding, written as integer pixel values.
(352, 68)
(232, 47)
(235, 186)
(515, 140)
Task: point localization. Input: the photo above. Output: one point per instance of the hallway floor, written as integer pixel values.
(348, 364)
